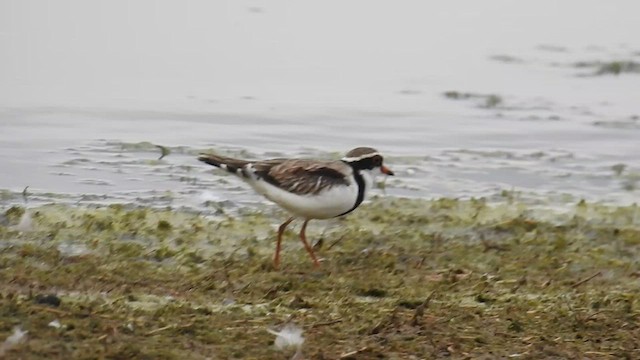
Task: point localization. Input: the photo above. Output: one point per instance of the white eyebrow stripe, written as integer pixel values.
(350, 159)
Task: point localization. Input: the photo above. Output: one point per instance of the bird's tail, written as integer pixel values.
(232, 165)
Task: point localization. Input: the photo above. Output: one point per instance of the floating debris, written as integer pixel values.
(629, 123)
(631, 181)
(617, 67)
(487, 100)
(255, 10)
(508, 59)
(98, 182)
(552, 48)
(25, 195)
(409, 92)
(618, 168)
(164, 151)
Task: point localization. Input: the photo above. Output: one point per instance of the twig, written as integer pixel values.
(160, 329)
(420, 309)
(351, 353)
(382, 324)
(444, 321)
(68, 313)
(154, 331)
(334, 243)
(326, 323)
(585, 280)
(598, 353)
(594, 315)
(488, 245)
(52, 310)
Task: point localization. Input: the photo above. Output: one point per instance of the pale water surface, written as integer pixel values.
(88, 88)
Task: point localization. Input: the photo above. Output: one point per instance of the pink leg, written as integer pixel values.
(276, 258)
(303, 238)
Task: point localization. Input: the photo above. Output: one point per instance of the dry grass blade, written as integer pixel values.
(585, 280)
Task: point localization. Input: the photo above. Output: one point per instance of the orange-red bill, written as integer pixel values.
(386, 170)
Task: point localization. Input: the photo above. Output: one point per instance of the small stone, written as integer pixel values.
(51, 300)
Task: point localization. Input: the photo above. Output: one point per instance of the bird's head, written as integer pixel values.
(366, 159)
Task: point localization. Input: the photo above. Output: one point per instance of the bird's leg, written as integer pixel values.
(276, 258)
(303, 238)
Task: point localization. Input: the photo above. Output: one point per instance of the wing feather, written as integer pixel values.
(304, 177)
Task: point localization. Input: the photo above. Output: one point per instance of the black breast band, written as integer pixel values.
(360, 182)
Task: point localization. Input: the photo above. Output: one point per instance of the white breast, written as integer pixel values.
(323, 205)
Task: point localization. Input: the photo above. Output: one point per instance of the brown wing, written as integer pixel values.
(304, 176)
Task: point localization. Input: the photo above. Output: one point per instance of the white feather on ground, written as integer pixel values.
(55, 324)
(289, 337)
(15, 338)
(26, 222)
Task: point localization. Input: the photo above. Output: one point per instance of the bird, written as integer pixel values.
(308, 188)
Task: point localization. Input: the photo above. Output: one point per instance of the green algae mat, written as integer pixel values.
(400, 279)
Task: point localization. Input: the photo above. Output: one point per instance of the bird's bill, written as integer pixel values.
(386, 170)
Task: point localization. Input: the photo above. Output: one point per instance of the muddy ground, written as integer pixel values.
(400, 279)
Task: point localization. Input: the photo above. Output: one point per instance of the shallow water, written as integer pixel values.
(80, 118)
